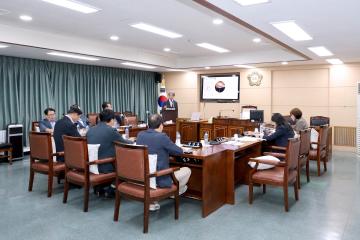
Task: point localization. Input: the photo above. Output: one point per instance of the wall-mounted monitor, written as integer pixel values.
(220, 87)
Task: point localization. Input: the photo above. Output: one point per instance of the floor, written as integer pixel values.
(329, 208)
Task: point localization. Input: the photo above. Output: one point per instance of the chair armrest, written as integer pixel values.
(164, 172)
(102, 161)
(314, 143)
(58, 154)
(269, 162)
(278, 148)
(278, 155)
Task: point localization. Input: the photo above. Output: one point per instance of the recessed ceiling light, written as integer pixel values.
(217, 21)
(3, 46)
(167, 49)
(25, 18)
(114, 38)
(334, 61)
(212, 47)
(257, 40)
(156, 30)
(74, 5)
(250, 2)
(321, 51)
(76, 56)
(244, 66)
(138, 65)
(292, 30)
(284, 63)
(207, 67)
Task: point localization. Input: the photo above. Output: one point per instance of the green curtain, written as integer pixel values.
(28, 86)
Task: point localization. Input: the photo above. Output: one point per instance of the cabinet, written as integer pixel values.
(206, 127)
(189, 131)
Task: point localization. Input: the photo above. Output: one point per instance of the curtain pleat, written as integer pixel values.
(28, 86)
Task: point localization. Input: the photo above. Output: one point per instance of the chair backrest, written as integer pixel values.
(76, 153)
(35, 127)
(132, 120)
(128, 113)
(292, 153)
(132, 162)
(323, 136)
(319, 120)
(93, 119)
(289, 119)
(40, 145)
(305, 139)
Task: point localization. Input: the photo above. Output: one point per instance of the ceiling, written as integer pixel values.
(57, 28)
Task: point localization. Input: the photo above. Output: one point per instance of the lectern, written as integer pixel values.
(169, 114)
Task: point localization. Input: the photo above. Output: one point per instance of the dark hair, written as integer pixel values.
(49, 109)
(278, 119)
(155, 120)
(296, 112)
(106, 115)
(75, 109)
(105, 104)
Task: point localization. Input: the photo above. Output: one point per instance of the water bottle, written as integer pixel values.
(178, 139)
(206, 138)
(262, 130)
(127, 133)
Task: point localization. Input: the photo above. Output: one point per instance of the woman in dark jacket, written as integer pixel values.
(283, 131)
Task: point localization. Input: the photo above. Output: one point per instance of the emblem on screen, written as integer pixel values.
(255, 79)
(220, 86)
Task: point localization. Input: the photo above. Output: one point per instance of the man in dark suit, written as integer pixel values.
(171, 104)
(119, 118)
(66, 126)
(160, 144)
(105, 135)
(48, 123)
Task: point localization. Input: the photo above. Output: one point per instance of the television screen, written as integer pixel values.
(218, 87)
(257, 115)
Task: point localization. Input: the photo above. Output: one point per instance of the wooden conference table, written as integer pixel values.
(215, 171)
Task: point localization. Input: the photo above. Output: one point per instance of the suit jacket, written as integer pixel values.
(119, 119)
(44, 124)
(168, 105)
(160, 144)
(105, 136)
(281, 135)
(66, 127)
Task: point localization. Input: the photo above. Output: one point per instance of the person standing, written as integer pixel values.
(171, 104)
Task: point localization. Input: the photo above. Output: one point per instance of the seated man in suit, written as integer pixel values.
(119, 119)
(48, 123)
(105, 135)
(160, 144)
(66, 126)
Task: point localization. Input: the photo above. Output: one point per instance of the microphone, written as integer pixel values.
(147, 117)
(223, 110)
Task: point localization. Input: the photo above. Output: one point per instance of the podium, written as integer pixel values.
(169, 114)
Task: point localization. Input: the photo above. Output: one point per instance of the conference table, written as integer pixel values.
(215, 172)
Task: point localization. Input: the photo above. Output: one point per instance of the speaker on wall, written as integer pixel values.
(158, 77)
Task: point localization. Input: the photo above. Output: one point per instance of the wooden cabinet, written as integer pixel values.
(206, 127)
(170, 130)
(235, 130)
(189, 131)
(220, 131)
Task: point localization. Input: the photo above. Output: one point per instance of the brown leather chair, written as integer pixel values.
(320, 154)
(131, 120)
(35, 127)
(133, 180)
(93, 119)
(41, 159)
(305, 136)
(77, 168)
(283, 174)
(6, 148)
(128, 113)
(319, 120)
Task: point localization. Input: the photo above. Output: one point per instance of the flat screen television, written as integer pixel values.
(220, 87)
(257, 116)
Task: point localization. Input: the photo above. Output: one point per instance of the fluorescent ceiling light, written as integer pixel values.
(167, 49)
(207, 67)
(257, 40)
(74, 5)
(70, 55)
(114, 38)
(212, 47)
(3, 46)
(250, 2)
(284, 63)
(292, 30)
(334, 61)
(217, 21)
(156, 30)
(244, 66)
(321, 51)
(138, 65)
(25, 18)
